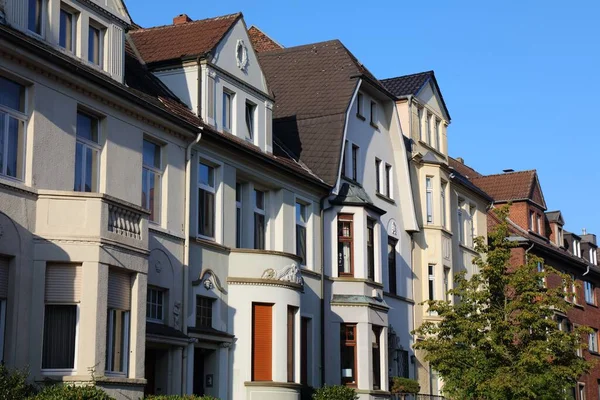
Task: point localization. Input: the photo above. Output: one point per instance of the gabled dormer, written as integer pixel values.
(92, 31)
(556, 223)
(211, 66)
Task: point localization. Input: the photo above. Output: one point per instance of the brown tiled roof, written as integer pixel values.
(312, 85)
(191, 39)
(462, 168)
(508, 186)
(261, 42)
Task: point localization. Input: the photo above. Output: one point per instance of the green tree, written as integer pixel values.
(500, 340)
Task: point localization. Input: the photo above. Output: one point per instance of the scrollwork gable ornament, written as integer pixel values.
(209, 280)
(241, 55)
(290, 274)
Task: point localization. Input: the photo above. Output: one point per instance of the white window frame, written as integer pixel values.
(389, 182)
(580, 390)
(69, 10)
(21, 116)
(250, 131)
(94, 147)
(239, 208)
(429, 199)
(162, 292)
(307, 224)
(158, 172)
(378, 176)
(101, 45)
(110, 340)
(227, 120)
(214, 190)
(262, 212)
(64, 371)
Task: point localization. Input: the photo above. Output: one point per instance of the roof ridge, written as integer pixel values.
(237, 15)
(269, 37)
(409, 75)
(300, 47)
(506, 173)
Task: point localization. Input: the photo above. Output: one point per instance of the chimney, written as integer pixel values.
(460, 160)
(508, 170)
(180, 19)
(584, 232)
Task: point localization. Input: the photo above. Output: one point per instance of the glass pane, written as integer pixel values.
(301, 243)
(206, 175)
(94, 45)
(206, 213)
(78, 167)
(250, 120)
(145, 193)
(300, 213)
(34, 22)
(154, 197)
(259, 200)
(90, 170)
(14, 157)
(226, 111)
(3, 138)
(59, 337)
(151, 156)
(65, 37)
(87, 127)
(344, 257)
(12, 94)
(259, 231)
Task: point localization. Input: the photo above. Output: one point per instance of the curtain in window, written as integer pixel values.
(60, 323)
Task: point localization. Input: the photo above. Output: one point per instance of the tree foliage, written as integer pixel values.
(500, 339)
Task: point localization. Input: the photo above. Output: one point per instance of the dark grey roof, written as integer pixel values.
(209, 331)
(359, 299)
(352, 194)
(555, 216)
(164, 330)
(410, 85)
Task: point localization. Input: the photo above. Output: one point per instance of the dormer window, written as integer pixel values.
(576, 248)
(66, 37)
(35, 17)
(594, 256)
(95, 45)
(438, 139)
(559, 237)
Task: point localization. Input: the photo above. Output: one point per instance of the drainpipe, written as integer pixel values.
(527, 251)
(323, 291)
(186, 249)
(587, 271)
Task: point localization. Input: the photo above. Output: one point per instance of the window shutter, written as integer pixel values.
(262, 342)
(210, 97)
(119, 290)
(3, 278)
(116, 62)
(63, 283)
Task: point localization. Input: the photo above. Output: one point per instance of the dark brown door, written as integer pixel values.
(150, 366)
(199, 372)
(304, 351)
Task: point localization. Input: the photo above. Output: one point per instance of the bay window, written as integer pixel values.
(87, 153)
(345, 245)
(206, 200)
(259, 220)
(117, 330)
(392, 278)
(376, 356)
(429, 198)
(348, 354)
(12, 128)
(370, 249)
(151, 179)
(301, 221)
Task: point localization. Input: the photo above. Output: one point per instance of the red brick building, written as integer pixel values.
(540, 232)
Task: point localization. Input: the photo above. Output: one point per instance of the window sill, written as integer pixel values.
(591, 304)
(361, 117)
(385, 198)
(594, 353)
(286, 385)
(58, 372)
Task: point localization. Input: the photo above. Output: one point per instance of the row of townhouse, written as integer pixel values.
(193, 208)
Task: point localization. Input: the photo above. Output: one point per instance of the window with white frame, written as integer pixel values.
(443, 202)
(301, 223)
(378, 175)
(259, 220)
(355, 162)
(206, 200)
(570, 288)
(438, 136)
(461, 225)
(61, 314)
(472, 224)
(250, 120)
(12, 128)
(576, 248)
(87, 153)
(559, 237)
(155, 305)
(593, 341)
(429, 198)
(594, 256)
(447, 295)
(118, 322)
(388, 181)
(95, 44)
(373, 114)
(590, 297)
(581, 390)
(539, 223)
(227, 110)
(531, 220)
(420, 124)
(67, 29)
(431, 283)
(238, 215)
(151, 179)
(428, 127)
(35, 16)
(370, 249)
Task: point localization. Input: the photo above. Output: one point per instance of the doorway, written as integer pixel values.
(199, 355)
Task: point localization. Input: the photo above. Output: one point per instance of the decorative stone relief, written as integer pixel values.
(176, 313)
(393, 227)
(290, 273)
(209, 280)
(241, 55)
(158, 267)
(208, 284)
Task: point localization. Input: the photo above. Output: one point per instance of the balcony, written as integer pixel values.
(92, 217)
(262, 265)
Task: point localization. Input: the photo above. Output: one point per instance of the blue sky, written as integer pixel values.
(519, 77)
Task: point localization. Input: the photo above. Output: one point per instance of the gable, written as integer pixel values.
(115, 7)
(430, 96)
(536, 193)
(225, 57)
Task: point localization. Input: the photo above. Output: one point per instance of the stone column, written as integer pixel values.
(223, 370)
(189, 371)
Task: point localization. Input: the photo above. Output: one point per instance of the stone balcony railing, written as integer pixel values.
(91, 217)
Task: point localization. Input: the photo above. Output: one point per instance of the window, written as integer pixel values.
(291, 343)
(62, 297)
(376, 356)
(471, 225)
(117, 333)
(428, 127)
(378, 175)
(35, 18)
(539, 224)
(305, 324)
(429, 198)
(359, 105)
(262, 342)
(250, 125)
(155, 305)
(370, 249)
(573, 290)
(355, 162)
(301, 221)
(443, 201)
(447, 283)
(581, 390)
(438, 137)
(589, 293)
(576, 248)
(531, 220)
(151, 179)
(392, 278)
(348, 354)
(227, 97)
(204, 309)
(420, 118)
(461, 226)
(259, 220)
(12, 128)
(542, 278)
(559, 237)
(434, 382)
(87, 152)
(388, 180)
(593, 256)
(374, 114)
(206, 200)
(431, 275)
(238, 215)
(344, 159)
(66, 36)
(593, 341)
(95, 45)
(345, 245)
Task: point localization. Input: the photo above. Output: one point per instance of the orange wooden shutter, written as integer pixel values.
(262, 342)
